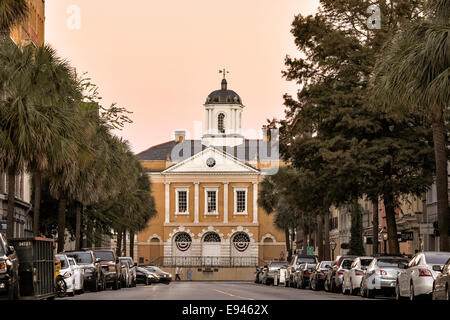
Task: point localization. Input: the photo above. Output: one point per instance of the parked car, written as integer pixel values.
(78, 281)
(441, 286)
(297, 260)
(93, 276)
(353, 276)
(125, 274)
(164, 277)
(110, 267)
(67, 273)
(335, 275)
(272, 271)
(303, 275)
(319, 275)
(9, 270)
(146, 277)
(381, 275)
(418, 277)
(132, 267)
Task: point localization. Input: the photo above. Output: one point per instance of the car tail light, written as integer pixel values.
(340, 272)
(307, 272)
(381, 272)
(2, 267)
(359, 272)
(424, 273)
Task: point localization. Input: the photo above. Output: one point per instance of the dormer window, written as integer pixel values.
(220, 123)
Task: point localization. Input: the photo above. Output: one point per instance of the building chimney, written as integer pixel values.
(180, 135)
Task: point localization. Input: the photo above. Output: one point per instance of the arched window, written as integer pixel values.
(220, 123)
(211, 237)
(241, 241)
(183, 241)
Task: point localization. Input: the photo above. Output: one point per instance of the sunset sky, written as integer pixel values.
(160, 59)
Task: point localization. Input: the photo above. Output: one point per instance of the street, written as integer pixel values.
(223, 290)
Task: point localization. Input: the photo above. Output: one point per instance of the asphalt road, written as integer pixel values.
(192, 290)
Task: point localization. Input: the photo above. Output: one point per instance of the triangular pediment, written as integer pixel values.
(211, 160)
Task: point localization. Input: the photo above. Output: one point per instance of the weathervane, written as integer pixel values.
(224, 71)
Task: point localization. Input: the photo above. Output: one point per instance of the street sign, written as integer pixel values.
(426, 228)
(310, 251)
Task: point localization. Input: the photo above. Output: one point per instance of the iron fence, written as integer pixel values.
(205, 261)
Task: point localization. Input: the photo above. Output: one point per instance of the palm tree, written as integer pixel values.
(413, 75)
(12, 12)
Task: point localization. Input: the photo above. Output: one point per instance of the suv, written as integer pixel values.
(296, 261)
(271, 272)
(92, 270)
(132, 266)
(335, 276)
(9, 270)
(110, 267)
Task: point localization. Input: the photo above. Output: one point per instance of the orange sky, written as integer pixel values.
(160, 59)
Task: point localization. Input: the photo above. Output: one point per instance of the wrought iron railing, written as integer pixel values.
(205, 261)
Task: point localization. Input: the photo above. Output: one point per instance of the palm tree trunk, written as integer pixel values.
(124, 241)
(61, 223)
(37, 202)
(305, 237)
(391, 223)
(89, 234)
(320, 236)
(288, 244)
(326, 248)
(375, 227)
(440, 152)
(11, 204)
(77, 225)
(132, 244)
(119, 243)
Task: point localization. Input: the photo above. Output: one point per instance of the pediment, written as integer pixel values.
(211, 160)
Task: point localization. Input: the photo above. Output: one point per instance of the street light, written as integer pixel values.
(384, 234)
(332, 246)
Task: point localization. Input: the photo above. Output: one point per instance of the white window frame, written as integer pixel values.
(177, 212)
(236, 189)
(211, 189)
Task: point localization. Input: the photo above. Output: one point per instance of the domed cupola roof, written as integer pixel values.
(223, 96)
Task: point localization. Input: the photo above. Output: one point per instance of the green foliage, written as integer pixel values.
(12, 12)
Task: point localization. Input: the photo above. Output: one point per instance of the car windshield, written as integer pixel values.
(392, 263)
(2, 250)
(366, 262)
(306, 260)
(105, 255)
(142, 270)
(72, 263)
(346, 264)
(156, 269)
(278, 264)
(81, 257)
(436, 258)
(63, 260)
(325, 264)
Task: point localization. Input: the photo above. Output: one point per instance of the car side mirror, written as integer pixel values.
(437, 268)
(97, 260)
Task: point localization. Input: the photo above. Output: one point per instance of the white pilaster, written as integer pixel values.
(225, 203)
(255, 202)
(167, 198)
(196, 206)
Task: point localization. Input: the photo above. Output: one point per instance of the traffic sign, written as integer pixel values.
(310, 251)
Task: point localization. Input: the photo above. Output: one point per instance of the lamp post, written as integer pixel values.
(384, 234)
(332, 246)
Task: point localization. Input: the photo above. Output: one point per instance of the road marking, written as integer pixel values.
(232, 295)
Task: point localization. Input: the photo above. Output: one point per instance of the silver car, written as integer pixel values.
(271, 272)
(381, 275)
(418, 277)
(353, 276)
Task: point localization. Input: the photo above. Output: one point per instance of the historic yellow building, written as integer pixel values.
(32, 29)
(206, 194)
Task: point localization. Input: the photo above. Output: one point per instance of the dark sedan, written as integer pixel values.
(164, 277)
(442, 284)
(303, 274)
(145, 277)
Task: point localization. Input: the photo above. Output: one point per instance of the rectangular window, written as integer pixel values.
(211, 198)
(182, 201)
(212, 201)
(240, 200)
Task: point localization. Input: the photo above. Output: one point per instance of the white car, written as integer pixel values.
(78, 275)
(280, 277)
(353, 276)
(418, 277)
(66, 273)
